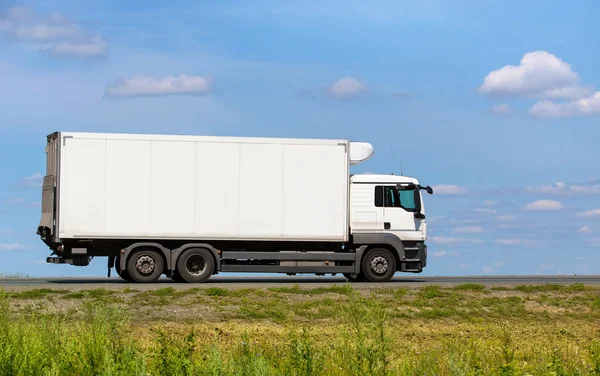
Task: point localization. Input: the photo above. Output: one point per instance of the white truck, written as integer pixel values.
(189, 207)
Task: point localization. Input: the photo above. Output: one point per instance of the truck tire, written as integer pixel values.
(195, 265)
(145, 265)
(378, 265)
(176, 277)
(122, 273)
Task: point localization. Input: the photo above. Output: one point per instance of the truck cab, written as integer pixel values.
(389, 209)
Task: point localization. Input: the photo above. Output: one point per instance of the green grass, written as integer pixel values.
(434, 330)
(36, 293)
(363, 340)
(469, 287)
(90, 294)
(554, 288)
(217, 291)
(164, 292)
(335, 289)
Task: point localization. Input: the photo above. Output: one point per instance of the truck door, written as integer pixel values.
(399, 207)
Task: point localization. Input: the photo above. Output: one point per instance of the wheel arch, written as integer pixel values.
(126, 252)
(391, 242)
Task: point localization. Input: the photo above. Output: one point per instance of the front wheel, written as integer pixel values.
(378, 265)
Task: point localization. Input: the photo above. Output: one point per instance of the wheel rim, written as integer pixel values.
(145, 265)
(195, 265)
(379, 265)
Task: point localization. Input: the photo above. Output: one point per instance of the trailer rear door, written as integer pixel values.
(47, 225)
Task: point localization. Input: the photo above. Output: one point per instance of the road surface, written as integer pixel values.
(234, 282)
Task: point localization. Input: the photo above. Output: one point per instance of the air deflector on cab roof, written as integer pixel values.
(360, 152)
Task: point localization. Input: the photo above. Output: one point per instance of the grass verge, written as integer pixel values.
(461, 330)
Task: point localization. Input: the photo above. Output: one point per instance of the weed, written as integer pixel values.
(540, 288)
(164, 292)
(365, 345)
(264, 311)
(305, 359)
(469, 287)
(217, 291)
(287, 290)
(400, 293)
(94, 294)
(430, 292)
(335, 289)
(36, 293)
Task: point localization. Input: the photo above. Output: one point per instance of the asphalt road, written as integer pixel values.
(233, 282)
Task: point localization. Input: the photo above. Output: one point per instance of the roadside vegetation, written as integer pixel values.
(433, 330)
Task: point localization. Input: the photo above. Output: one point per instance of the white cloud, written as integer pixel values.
(588, 188)
(96, 47)
(584, 230)
(486, 211)
(347, 87)
(34, 180)
(490, 203)
(505, 226)
(57, 33)
(589, 213)
(517, 241)
(498, 264)
(149, 86)
(487, 270)
(454, 241)
(468, 230)
(12, 247)
(540, 75)
(463, 266)
(436, 218)
(508, 241)
(440, 254)
(594, 242)
(501, 109)
(546, 266)
(574, 92)
(447, 189)
(581, 107)
(43, 32)
(544, 205)
(506, 218)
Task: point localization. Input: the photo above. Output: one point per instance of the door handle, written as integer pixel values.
(387, 225)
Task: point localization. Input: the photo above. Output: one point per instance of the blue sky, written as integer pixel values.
(495, 103)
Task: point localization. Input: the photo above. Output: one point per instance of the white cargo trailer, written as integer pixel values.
(192, 206)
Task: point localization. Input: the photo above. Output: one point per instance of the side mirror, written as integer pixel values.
(429, 190)
(419, 215)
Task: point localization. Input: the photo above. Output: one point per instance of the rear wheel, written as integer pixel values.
(378, 265)
(145, 265)
(195, 265)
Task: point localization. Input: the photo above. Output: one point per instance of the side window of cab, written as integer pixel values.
(388, 196)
